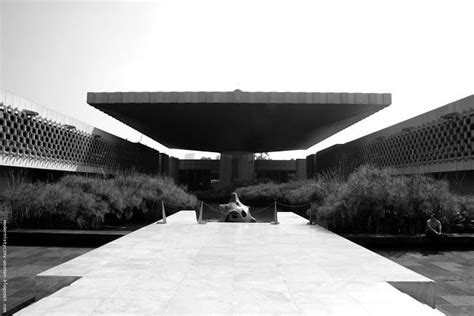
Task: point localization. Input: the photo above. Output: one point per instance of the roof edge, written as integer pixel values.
(238, 96)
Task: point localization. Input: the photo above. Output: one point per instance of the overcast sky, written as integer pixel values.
(54, 52)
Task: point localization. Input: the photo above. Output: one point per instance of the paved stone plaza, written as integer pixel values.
(233, 268)
(453, 272)
(23, 263)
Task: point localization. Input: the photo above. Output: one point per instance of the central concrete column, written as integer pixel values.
(238, 166)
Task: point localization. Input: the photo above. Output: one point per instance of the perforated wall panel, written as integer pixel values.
(433, 142)
(30, 140)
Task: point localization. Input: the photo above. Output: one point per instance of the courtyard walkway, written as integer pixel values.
(233, 268)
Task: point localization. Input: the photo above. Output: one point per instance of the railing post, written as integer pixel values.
(310, 216)
(275, 215)
(163, 211)
(200, 221)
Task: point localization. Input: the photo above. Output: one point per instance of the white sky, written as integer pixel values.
(54, 52)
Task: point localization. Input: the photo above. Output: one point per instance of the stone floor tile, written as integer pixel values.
(459, 300)
(232, 268)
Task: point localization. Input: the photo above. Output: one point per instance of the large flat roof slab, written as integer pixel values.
(238, 120)
(233, 268)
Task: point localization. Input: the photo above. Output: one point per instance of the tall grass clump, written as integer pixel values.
(86, 202)
(466, 205)
(259, 194)
(300, 192)
(291, 193)
(373, 200)
(368, 200)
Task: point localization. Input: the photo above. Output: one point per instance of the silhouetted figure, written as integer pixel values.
(434, 229)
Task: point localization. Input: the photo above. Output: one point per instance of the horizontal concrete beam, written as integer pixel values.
(238, 96)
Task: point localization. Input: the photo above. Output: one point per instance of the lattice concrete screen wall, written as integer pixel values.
(441, 140)
(30, 140)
